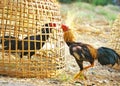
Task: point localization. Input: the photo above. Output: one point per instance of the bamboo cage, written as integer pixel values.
(25, 24)
(115, 35)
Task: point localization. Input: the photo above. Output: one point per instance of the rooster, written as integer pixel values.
(85, 52)
(33, 42)
(36, 41)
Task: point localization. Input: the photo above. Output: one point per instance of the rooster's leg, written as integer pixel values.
(92, 64)
(77, 75)
(80, 75)
(81, 72)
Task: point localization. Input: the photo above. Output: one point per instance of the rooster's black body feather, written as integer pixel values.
(107, 56)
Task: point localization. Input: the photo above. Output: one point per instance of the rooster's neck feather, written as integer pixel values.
(69, 36)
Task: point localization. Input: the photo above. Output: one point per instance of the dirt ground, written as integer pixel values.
(96, 76)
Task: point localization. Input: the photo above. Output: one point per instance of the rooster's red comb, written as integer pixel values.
(64, 27)
(52, 24)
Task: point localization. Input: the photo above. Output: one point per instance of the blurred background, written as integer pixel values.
(92, 18)
(94, 2)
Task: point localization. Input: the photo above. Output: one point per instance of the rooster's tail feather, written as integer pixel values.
(107, 56)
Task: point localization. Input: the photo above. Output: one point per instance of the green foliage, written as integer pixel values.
(107, 14)
(84, 5)
(64, 77)
(66, 1)
(113, 7)
(94, 2)
(80, 11)
(101, 2)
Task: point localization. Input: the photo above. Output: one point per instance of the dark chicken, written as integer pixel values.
(9, 42)
(37, 41)
(85, 52)
(29, 43)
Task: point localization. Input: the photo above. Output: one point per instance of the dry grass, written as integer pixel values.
(92, 24)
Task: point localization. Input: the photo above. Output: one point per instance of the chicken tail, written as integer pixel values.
(108, 56)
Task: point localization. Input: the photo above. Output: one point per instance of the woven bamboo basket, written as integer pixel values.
(25, 18)
(115, 35)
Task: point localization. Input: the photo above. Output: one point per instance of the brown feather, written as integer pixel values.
(93, 51)
(69, 36)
